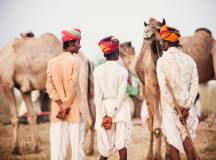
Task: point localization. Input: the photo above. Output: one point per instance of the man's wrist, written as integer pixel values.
(59, 102)
(109, 115)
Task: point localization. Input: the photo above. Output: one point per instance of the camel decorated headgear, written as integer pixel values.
(169, 34)
(109, 44)
(68, 35)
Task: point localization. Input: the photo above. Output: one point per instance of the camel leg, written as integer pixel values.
(90, 150)
(157, 133)
(32, 120)
(91, 130)
(14, 119)
(150, 126)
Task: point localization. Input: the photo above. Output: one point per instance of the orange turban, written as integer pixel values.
(109, 44)
(74, 34)
(169, 34)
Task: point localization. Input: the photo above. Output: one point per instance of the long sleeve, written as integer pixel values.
(193, 87)
(121, 93)
(162, 84)
(98, 98)
(73, 84)
(51, 89)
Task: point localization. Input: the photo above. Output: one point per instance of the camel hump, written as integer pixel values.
(205, 30)
(50, 38)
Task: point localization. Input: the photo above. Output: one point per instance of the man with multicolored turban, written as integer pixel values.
(178, 71)
(62, 86)
(113, 119)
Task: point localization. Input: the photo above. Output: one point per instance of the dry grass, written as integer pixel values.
(205, 141)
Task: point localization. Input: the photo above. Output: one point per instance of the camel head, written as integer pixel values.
(152, 37)
(126, 49)
(152, 29)
(27, 34)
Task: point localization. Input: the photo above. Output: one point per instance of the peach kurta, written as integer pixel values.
(62, 84)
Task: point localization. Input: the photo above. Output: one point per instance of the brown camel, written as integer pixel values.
(200, 46)
(128, 55)
(24, 62)
(146, 71)
(129, 58)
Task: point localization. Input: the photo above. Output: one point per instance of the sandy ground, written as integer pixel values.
(205, 143)
(205, 140)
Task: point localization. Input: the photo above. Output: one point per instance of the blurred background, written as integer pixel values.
(97, 19)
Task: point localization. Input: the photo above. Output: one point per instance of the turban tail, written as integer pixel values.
(169, 34)
(109, 44)
(74, 34)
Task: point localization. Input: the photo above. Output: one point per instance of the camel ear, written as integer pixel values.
(163, 22)
(145, 24)
(22, 35)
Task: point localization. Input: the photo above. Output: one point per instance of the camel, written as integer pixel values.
(24, 62)
(201, 46)
(128, 55)
(203, 54)
(146, 70)
(129, 58)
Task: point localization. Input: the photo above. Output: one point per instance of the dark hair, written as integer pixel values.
(174, 44)
(113, 55)
(67, 44)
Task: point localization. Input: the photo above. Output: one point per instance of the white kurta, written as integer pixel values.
(110, 82)
(181, 72)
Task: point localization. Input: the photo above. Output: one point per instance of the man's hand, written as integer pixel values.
(107, 122)
(63, 110)
(185, 114)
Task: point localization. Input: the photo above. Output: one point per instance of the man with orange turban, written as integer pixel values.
(177, 69)
(62, 86)
(113, 118)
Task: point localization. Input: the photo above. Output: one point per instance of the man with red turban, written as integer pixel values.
(113, 118)
(62, 86)
(177, 70)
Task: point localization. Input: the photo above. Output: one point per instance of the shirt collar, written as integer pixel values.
(68, 53)
(174, 50)
(110, 61)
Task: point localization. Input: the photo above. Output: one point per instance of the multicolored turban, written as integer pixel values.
(109, 44)
(74, 34)
(169, 34)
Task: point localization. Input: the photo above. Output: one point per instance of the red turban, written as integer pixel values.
(169, 34)
(109, 44)
(74, 34)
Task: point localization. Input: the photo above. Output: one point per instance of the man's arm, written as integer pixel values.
(98, 98)
(74, 80)
(193, 87)
(50, 86)
(121, 93)
(162, 84)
